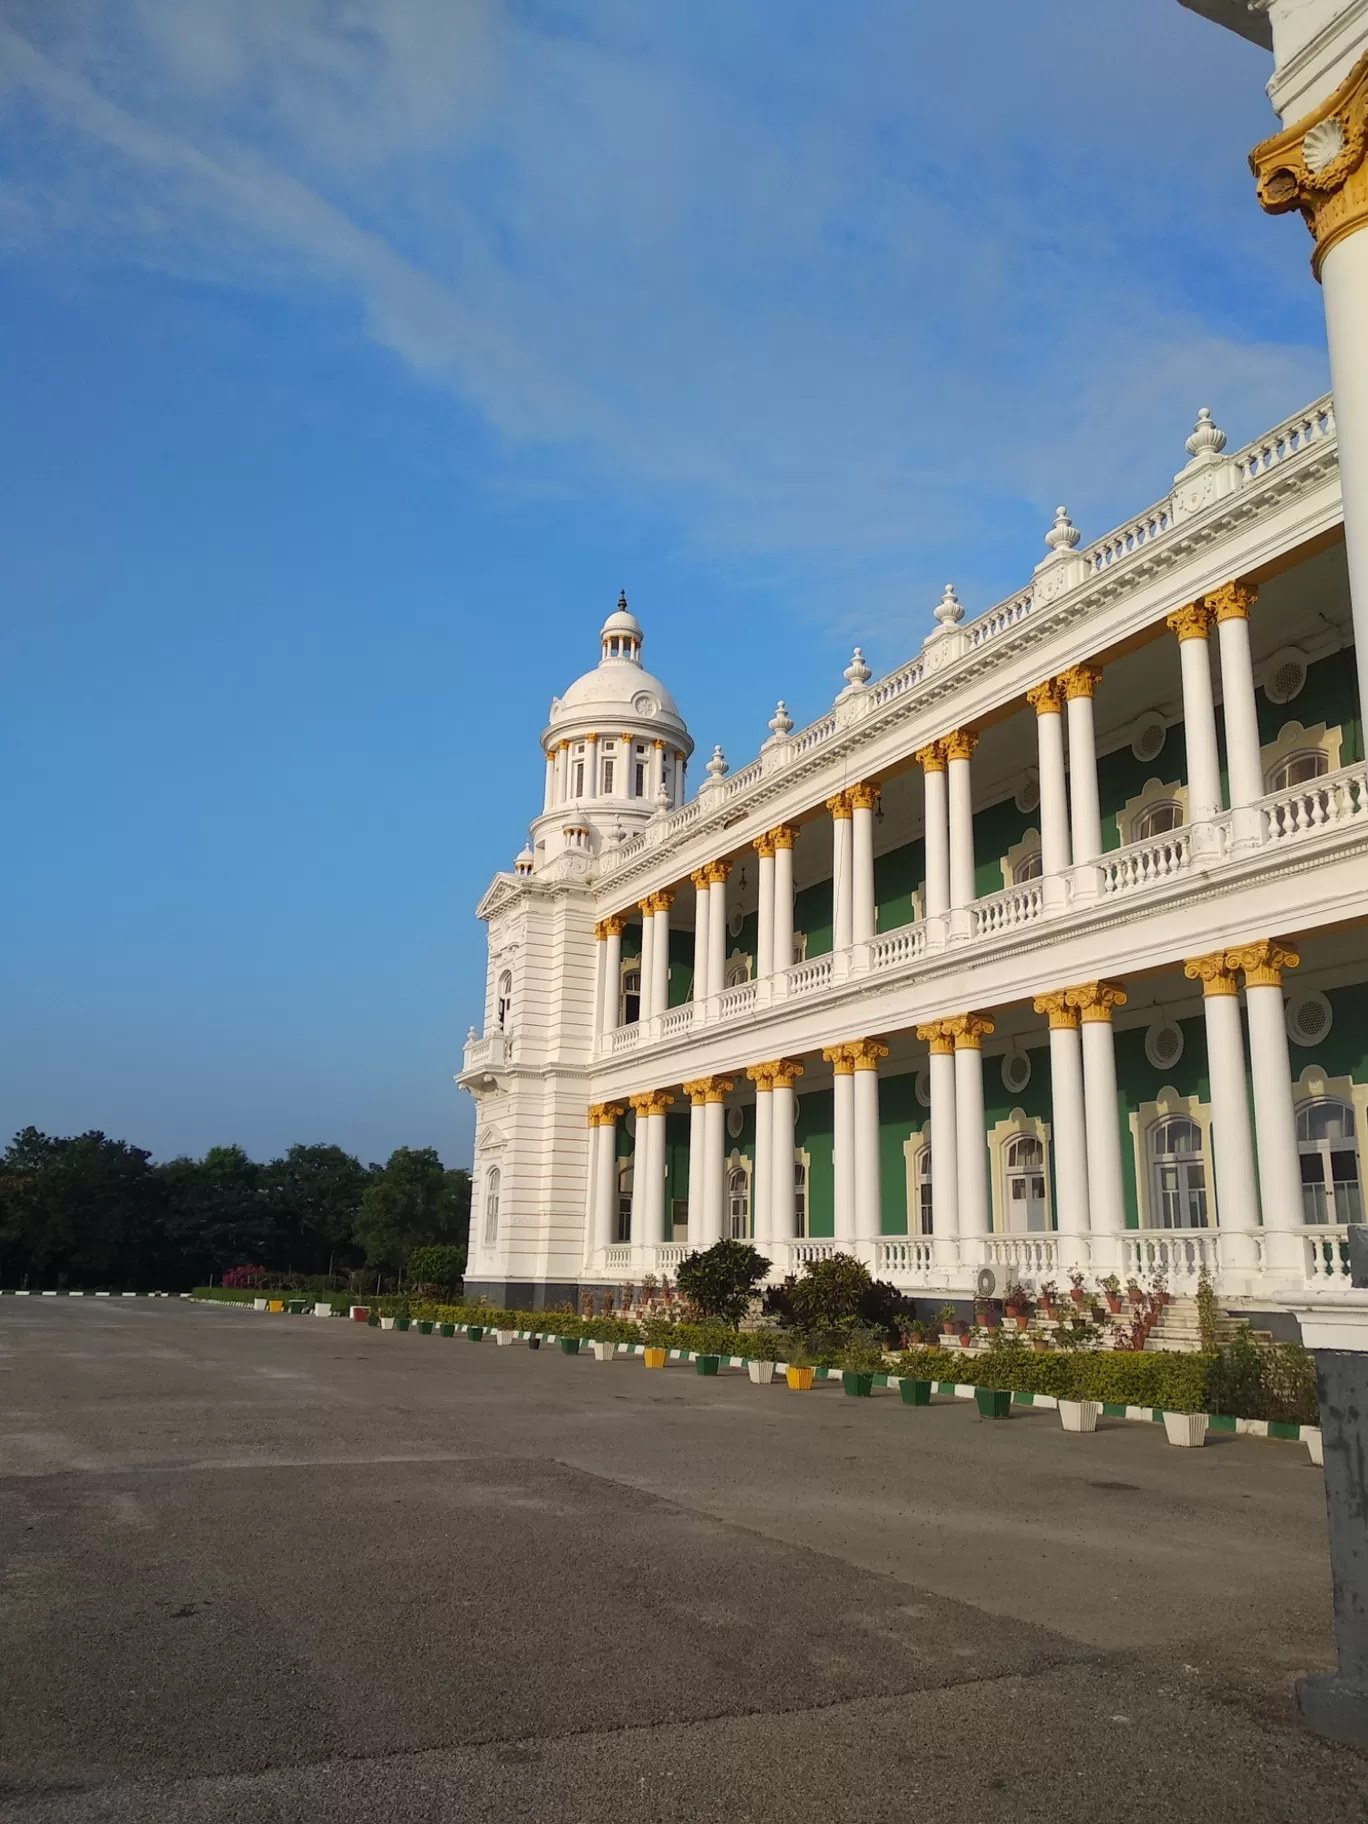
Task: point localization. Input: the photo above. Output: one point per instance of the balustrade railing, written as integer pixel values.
(1005, 911)
(624, 1038)
(1033, 1254)
(1142, 864)
(906, 1254)
(897, 947)
(733, 1002)
(677, 1020)
(809, 978)
(1181, 1255)
(619, 1256)
(1315, 425)
(1316, 804)
(1327, 1254)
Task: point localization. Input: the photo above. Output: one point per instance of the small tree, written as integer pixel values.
(437, 1265)
(831, 1292)
(721, 1281)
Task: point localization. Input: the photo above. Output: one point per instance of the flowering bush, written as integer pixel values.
(244, 1276)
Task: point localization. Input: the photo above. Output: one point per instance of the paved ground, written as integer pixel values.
(281, 1568)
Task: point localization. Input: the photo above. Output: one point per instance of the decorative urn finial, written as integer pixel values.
(949, 610)
(1207, 439)
(781, 722)
(1063, 535)
(857, 674)
(622, 601)
(717, 766)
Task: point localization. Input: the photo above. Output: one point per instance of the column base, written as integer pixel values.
(937, 932)
(1086, 883)
(1054, 895)
(961, 925)
(1207, 840)
(1336, 1707)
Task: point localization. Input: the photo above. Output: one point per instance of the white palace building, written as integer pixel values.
(1048, 951)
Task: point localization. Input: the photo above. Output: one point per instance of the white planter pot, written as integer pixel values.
(1315, 1444)
(387, 1323)
(322, 1309)
(1188, 1429)
(504, 1337)
(604, 1352)
(1079, 1415)
(762, 1373)
(260, 1304)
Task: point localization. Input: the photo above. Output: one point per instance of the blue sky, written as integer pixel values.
(355, 354)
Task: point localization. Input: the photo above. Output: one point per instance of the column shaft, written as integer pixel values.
(971, 1142)
(1070, 1131)
(702, 987)
(764, 941)
(1084, 811)
(600, 970)
(660, 961)
(549, 790)
(944, 1154)
(782, 1203)
(1344, 282)
(591, 781)
(717, 936)
(714, 1173)
(1243, 761)
(605, 1162)
(762, 1173)
(843, 1155)
(612, 980)
(868, 1180)
(961, 834)
(655, 1217)
(842, 864)
(1274, 1119)
(783, 907)
(1054, 794)
(1199, 732)
(1237, 1194)
(862, 913)
(697, 1174)
(647, 965)
(1106, 1194)
(937, 834)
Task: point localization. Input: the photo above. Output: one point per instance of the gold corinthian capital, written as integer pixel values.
(1262, 963)
(1317, 166)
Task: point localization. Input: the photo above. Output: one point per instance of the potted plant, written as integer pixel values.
(475, 1333)
(761, 1354)
(861, 1359)
(359, 1313)
(800, 1368)
(993, 1402)
(1016, 1307)
(534, 1340)
(425, 1326)
(1315, 1444)
(1049, 1298)
(322, 1307)
(1078, 1287)
(1186, 1429)
(604, 1349)
(707, 1364)
(261, 1304)
(656, 1333)
(1134, 1292)
(986, 1314)
(946, 1318)
(1079, 1415)
(503, 1336)
(388, 1323)
(1111, 1291)
(570, 1345)
(446, 1329)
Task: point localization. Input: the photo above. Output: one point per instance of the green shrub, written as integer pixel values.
(1174, 1383)
(1275, 1382)
(721, 1281)
(438, 1264)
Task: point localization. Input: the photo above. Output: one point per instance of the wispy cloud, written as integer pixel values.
(859, 298)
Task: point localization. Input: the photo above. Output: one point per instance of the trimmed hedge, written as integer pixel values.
(1120, 1377)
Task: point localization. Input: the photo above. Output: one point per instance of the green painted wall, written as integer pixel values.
(681, 967)
(897, 876)
(996, 828)
(1137, 1081)
(899, 1113)
(1120, 777)
(676, 1159)
(812, 914)
(1328, 696)
(1343, 1052)
(813, 1132)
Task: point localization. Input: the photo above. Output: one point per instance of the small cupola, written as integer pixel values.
(621, 635)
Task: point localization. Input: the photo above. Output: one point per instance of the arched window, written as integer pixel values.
(800, 1195)
(505, 1008)
(923, 1219)
(737, 971)
(491, 1209)
(1179, 1173)
(1331, 1191)
(738, 1204)
(1296, 769)
(624, 1199)
(1030, 867)
(1024, 1172)
(631, 996)
(1157, 819)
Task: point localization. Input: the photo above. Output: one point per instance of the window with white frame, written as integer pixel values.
(631, 994)
(504, 1010)
(624, 1198)
(1157, 820)
(738, 1204)
(738, 970)
(923, 1219)
(1296, 769)
(491, 1206)
(608, 778)
(1024, 1180)
(1030, 867)
(800, 1194)
(1178, 1174)
(1326, 1140)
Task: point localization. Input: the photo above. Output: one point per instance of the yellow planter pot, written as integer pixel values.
(275, 1304)
(799, 1379)
(655, 1358)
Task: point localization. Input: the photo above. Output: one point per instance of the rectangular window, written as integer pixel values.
(607, 778)
(579, 778)
(640, 779)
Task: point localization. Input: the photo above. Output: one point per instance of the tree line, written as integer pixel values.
(86, 1211)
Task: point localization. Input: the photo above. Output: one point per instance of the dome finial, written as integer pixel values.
(1063, 535)
(949, 610)
(857, 674)
(622, 601)
(781, 722)
(717, 766)
(1207, 439)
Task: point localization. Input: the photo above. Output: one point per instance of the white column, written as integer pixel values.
(657, 768)
(936, 822)
(1047, 701)
(762, 1174)
(842, 1065)
(842, 863)
(944, 1143)
(612, 974)
(1068, 1123)
(562, 771)
(1244, 763)
(863, 916)
(549, 791)
(1106, 1191)
(1237, 1191)
(628, 773)
(782, 918)
(868, 1179)
(605, 1166)
(1192, 626)
(1344, 280)
(697, 1094)
(591, 766)
(600, 958)
(649, 1196)
(958, 748)
(1275, 1124)
(717, 925)
(764, 914)
(647, 910)
(783, 1207)
(593, 1223)
(660, 954)
(1085, 816)
(971, 1130)
(714, 1162)
(702, 950)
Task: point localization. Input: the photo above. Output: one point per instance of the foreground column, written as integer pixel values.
(842, 862)
(1237, 1191)
(762, 1172)
(660, 953)
(702, 987)
(944, 1142)
(783, 1206)
(1192, 625)
(842, 1061)
(605, 1173)
(936, 822)
(865, 1054)
(697, 1092)
(863, 916)
(1106, 1192)
(651, 1120)
(1085, 815)
(715, 1159)
(1244, 763)
(764, 934)
(549, 790)
(1275, 1124)
(646, 907)
(717, 872)
(958, 747)
(1069, 1128)
(1047, 700)
(783, 839)
(611, 1012)
(968, 1031)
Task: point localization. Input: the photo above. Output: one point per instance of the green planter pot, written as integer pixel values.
(373, 1321)
(474, 1332)
(297, 1307)
(534, 1342)
(915, 1393)
(402, 1323)
(858, 1386)
(993, 1402)
(569, 1345)
(425, 1326)
(707, 1364)
(446, 1329)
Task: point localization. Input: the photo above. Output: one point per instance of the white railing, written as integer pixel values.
(670, 1253)
(742, 781)
(801, 1252)
(677, 1020)
(619, 1256)
(1181, 1255)
(733, 1002)
(1005, 911)
(897, 947)
(489, 1053)
(1316, 804)
(1327, 1253)
(1005, 615)
(1140, 532)
(1035, 1254)
(1314, 425)
(889, 689)
(809, 978)
(907, 1255)
(813, 735)
(1141, 864)
(624, 1038)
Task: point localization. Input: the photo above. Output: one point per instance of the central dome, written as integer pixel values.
(619, 693)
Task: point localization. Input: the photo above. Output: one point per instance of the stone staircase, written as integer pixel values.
(1178, 1328)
